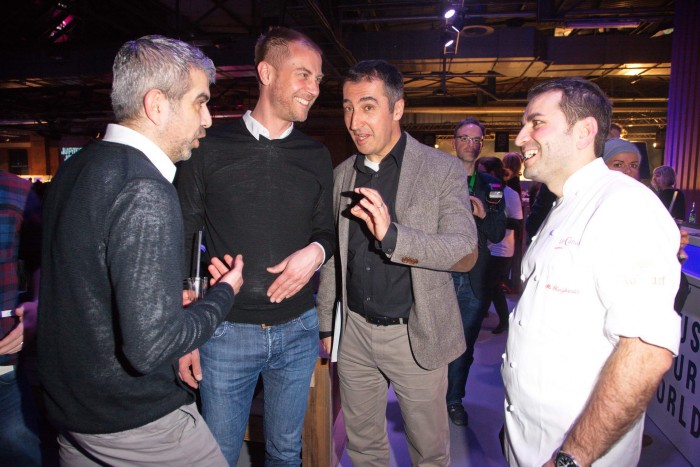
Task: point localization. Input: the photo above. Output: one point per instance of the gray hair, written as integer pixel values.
(667, 176)
(154, 62)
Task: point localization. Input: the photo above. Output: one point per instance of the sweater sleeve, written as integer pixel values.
(323, 227)
(144, 260)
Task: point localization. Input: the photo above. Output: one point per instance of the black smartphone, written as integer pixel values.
(354, 197)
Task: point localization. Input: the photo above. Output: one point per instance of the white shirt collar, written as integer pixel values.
(257, 129)
(120, 134)
(582, 178)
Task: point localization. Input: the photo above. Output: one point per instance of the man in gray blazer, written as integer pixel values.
(403, 220)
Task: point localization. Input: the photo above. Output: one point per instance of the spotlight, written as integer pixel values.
(449, 40)
(450, 13)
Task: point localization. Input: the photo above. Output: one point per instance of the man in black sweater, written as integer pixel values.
(262, 188)
(112, 326)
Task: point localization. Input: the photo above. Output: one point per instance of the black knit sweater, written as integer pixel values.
(263, 199)
(111, 322)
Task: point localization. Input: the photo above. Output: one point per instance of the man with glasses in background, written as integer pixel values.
(486, 195)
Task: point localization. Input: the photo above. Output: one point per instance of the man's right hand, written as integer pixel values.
(229, 271)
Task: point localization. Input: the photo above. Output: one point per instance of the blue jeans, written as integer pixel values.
(470, 309)
(232, 360)
(19, 439)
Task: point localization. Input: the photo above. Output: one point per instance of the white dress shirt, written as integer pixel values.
(120, 134)
(603, 266)
(257, 129)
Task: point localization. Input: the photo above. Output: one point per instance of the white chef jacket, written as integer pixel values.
(603, 265)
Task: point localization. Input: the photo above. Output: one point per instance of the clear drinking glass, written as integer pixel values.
(195, 287)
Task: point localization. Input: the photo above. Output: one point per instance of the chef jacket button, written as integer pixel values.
(521, 323)
(510, 408)
(503, 356)
(512, 364)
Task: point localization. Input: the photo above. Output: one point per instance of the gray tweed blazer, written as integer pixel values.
(435, 230)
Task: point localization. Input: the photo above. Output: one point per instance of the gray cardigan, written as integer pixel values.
(111, 322)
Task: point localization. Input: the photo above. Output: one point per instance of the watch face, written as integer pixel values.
(565, 460)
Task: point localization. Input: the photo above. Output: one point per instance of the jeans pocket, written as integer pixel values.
(309, 320)
(221, 329)
(9, 378)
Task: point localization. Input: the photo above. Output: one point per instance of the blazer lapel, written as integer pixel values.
(347, 183)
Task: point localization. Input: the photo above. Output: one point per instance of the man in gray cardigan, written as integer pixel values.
(111, 322)
(402, 217)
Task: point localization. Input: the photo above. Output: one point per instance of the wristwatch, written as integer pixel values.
(565, 459)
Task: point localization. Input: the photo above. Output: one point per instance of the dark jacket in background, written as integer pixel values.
(491, 228)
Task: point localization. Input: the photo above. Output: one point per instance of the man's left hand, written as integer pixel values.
(296, 270)
(189, 369)
(373, 211)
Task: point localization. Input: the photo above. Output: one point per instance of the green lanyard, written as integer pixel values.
(472, 181)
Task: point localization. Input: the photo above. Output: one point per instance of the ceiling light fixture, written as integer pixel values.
(449, 39)
(598, 24)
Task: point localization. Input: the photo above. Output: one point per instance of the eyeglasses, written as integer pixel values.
(469, 139)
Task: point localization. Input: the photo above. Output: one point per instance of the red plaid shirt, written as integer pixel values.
(20, 238)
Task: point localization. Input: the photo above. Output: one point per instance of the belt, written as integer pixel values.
(383, 321)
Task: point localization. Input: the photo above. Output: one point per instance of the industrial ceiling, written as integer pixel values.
(56, 55)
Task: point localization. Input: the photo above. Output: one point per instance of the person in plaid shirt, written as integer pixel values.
(20, 239)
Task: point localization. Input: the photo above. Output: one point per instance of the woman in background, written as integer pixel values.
(662, 180)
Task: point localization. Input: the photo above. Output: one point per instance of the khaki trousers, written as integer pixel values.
(370, 357)
(180, 438)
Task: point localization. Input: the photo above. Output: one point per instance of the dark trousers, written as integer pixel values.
(496, 272)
